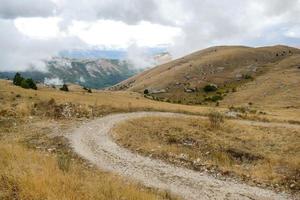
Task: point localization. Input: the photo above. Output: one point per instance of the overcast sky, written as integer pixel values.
(33, 30)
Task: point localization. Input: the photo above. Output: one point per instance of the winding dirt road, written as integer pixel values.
(93, 142)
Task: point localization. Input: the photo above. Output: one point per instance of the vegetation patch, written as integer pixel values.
(24, 83)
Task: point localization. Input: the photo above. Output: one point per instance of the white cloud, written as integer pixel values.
(38, 27)
(53, 25)
(19, 51)
(119, 34)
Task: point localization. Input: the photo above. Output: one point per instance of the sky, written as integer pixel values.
(34, 30)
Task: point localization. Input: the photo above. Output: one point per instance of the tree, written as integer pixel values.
(18, 79)
(24, 84)
(31, 84)
(64, 88)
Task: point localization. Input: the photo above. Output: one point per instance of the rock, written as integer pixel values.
(232, 114)
(189, 90)
(292, 185)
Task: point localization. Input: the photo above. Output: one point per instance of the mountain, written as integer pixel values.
(92, 73)
(94, 68)
(225, 71)
(119, 54)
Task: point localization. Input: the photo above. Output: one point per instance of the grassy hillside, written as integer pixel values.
(227, 67)
(36, 161)
(33, 124)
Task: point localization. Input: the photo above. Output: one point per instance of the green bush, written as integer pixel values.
(64, 88)
(24, 83)
(146, 91)
(31, 84)
(210, 88)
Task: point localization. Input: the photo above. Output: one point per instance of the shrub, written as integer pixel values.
(146, 91)
(31, 84)
(87, 89)
(247, 77)
(215, 119)
(210, 88)
(24, 83)
(64, 88)
(214, 98)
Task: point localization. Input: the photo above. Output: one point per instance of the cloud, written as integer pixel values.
(11, 9)
(19, 52)
(199, 24)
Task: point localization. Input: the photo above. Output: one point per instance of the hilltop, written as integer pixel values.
(240, 74)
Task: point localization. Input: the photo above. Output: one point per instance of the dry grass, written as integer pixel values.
(29, 119)
(257, 154)
(36, 161)
(29, 175)
(107, 101)
(222, 66)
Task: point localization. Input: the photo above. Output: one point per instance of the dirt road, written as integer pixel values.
(93, 142)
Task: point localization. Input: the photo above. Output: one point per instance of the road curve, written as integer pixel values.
(93, 142)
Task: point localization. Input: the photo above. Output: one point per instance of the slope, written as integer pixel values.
(227, 67)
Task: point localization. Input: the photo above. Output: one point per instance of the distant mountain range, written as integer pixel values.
(92, 73)
(87, 69)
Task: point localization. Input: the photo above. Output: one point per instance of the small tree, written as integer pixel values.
(24, 84)
(64, 88)
(31, 84)
(18, 79)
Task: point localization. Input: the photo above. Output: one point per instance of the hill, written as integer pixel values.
(242, 73)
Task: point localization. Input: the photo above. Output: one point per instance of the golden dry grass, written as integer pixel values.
(28, 118)
(114, 101)
(264, 155)
(32, 126)
(29, 175)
